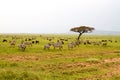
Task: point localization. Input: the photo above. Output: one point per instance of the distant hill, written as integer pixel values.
(99, 32)
(96, 32)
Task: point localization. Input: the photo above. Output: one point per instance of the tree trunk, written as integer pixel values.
(79, 36)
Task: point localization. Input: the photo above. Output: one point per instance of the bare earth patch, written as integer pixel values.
(113, 70)
(112, 60)
(20, 58)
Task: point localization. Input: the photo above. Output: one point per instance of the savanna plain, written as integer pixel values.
(94, 57)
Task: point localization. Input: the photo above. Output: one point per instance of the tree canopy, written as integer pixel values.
(82, 29)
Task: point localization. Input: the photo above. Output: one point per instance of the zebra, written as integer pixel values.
(70, 46)
(47, 46)
(22, 46)
(58, 45)
(12, 43)
(78, 42)
(96, 43)
(28, 43)
(73, 43)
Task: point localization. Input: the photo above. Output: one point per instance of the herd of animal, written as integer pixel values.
(53, 42)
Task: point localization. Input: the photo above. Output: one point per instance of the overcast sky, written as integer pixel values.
(58, 16)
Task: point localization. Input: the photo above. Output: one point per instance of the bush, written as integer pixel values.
(93, 60)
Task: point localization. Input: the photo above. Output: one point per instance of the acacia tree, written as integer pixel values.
(81, 30)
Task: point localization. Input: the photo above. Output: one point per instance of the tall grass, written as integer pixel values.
(79, 63)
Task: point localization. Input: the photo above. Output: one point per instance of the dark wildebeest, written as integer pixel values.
(103, 40)
(116, 41)
(104, 43)
(4, 40)
(33, 42)
(37, 42)
(29, 39)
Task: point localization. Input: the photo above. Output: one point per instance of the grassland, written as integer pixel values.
(84, 62)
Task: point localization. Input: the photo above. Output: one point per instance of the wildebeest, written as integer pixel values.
(50, 38)
(4, 40)
(66, 39)
(37, 42)
(116, 41)
(103, 40)
(110, 41)
(33, 42)
(29, 39)
(87, 42)
(104, 43)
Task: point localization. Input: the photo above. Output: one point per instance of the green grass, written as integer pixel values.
(80, 63)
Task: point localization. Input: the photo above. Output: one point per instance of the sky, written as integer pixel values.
(58, 16)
